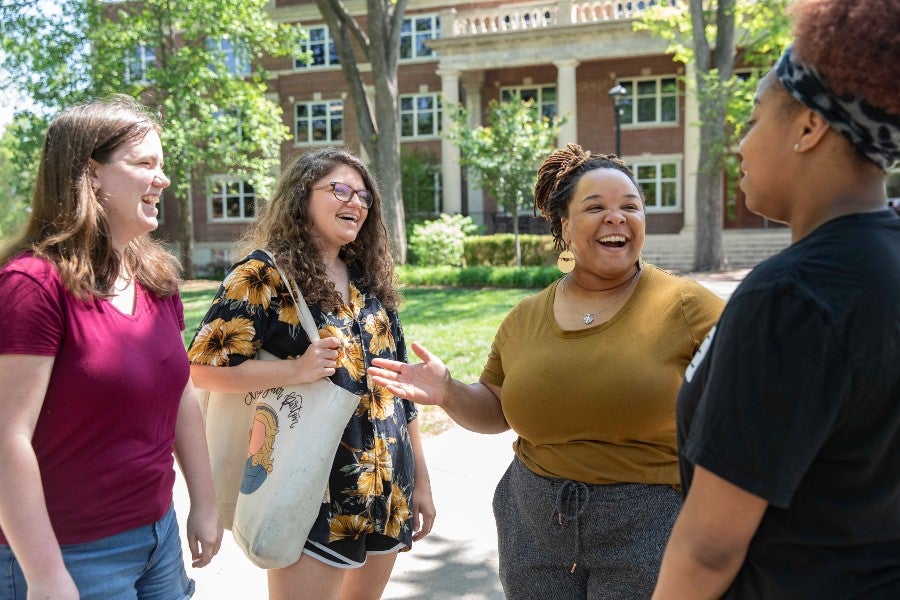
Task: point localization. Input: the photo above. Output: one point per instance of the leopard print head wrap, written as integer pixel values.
(871, 130)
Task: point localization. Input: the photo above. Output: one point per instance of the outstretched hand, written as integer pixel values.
(426, 382)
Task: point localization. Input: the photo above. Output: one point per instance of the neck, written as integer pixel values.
(593, 284)
(854, 199)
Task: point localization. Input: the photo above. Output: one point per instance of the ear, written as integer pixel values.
(813, 130)
(565, 230)
(92, 173)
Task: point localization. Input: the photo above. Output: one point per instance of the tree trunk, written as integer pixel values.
(708, 252)
(515, 224)
(386, 163)
(186, 229)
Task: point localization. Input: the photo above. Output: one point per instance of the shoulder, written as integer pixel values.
(670, 286)
(27, 274)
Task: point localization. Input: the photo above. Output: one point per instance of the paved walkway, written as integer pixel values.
(458, 560)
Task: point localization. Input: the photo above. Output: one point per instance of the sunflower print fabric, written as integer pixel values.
(370, 488)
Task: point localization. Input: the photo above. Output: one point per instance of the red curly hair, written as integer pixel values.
(823, 30)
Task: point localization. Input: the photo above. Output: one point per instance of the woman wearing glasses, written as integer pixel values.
(324, 228)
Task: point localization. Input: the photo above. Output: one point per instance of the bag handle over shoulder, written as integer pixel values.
(306, 318)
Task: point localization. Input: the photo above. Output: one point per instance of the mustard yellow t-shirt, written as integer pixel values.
(598, 405)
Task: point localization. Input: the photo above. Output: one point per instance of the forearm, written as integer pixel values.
(691, 571)
(23, 512)
(191, 451)
(249, 376)
(421, 468)
(474, 406)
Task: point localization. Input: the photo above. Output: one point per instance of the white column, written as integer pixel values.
(691, 151)
(472, 82)
(567, 102)
(452, 178)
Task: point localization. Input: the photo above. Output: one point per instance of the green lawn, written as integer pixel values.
(456, 324)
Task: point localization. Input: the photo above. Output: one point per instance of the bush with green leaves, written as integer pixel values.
(500, 250)
(440, 241)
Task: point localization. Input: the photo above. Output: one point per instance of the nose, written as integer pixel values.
(161, 181)
(615, 216)
(355, 196)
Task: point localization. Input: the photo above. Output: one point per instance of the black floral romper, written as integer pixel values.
(369, 502)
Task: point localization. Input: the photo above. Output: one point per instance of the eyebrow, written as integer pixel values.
(600, 196)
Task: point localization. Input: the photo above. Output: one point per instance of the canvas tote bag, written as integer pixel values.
(271, 490)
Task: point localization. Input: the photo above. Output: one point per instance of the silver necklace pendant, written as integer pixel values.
(588, 319)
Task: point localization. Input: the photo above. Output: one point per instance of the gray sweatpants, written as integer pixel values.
(568, 540)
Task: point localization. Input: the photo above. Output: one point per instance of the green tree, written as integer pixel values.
(713, 36)
(14, 194)
(505, 155)
(198, 62)
(377, 120)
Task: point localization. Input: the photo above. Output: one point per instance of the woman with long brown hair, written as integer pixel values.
(95, 379)
(323, 226)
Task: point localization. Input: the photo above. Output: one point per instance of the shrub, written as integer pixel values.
(478, 277)
(500, 250)
(440, 242)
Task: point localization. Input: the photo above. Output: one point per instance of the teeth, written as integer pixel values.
(149, 199)
(613, 238)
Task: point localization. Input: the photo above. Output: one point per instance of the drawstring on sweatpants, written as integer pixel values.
(571, 502)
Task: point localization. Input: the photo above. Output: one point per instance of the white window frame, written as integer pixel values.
(634, 98)
(234, 53)
(327, 51)
(415, 111)
(542, 104)
(235, 113)
(216, 186)
(433, 32)
(144, 56)
(334, 111)
(653, 203)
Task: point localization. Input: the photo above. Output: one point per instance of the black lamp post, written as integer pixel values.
(619, 94)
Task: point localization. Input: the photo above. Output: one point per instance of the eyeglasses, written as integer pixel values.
(344, 193)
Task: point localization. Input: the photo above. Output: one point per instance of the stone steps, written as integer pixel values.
(743, 248)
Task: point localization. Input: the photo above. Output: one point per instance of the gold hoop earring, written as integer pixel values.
(566, 261)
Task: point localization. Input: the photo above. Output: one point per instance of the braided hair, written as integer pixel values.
(558, 177)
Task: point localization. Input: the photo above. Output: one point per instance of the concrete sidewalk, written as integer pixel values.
(458, 560)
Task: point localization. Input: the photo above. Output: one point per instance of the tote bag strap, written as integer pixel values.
(306, 318)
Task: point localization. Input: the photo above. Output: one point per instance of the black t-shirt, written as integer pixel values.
(795, 397)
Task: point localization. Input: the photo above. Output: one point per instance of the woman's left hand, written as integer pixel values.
(423, 510)
(204, 535)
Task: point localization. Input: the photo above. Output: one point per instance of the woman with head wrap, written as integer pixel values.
(586, 373)
(789, 418)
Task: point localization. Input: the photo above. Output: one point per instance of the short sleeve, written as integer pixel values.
(178, 305)
(701, 309)
(772, 393)
(34, 317)
(493, 373)
(252, 307)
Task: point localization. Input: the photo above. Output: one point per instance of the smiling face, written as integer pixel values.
(336, 223)
(605, 225)
(129, 186)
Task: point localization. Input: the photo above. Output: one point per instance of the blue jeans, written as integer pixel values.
(144, 564)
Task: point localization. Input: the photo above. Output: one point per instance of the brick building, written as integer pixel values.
(564, 54)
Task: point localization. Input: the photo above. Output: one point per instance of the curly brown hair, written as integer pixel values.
(68, 225)
(867, 66)
(285, 225)
(558, 177)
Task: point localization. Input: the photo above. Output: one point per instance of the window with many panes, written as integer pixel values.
(319, 49)
(661, 183)
(231, 199)
(420, 115)
(650, 101)
(415, 32)
(233, 53)
(319, 121)
(544, 97)
(136, 64)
